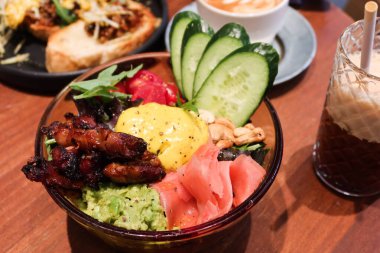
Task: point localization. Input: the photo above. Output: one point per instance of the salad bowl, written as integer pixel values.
(216, 234)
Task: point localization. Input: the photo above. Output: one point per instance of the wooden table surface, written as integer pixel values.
(298, 214)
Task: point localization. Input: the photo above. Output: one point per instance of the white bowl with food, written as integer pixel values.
(262, 19)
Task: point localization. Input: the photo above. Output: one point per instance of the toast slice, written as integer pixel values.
(72, 48)
(42, 32)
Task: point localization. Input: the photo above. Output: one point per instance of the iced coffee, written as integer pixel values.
(347, 150)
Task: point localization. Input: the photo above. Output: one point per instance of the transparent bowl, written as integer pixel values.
(215, 234)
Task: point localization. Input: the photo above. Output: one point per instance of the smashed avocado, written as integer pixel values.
(132, 207)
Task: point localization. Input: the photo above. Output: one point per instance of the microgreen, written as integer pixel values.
(190, 107)
(49, 144)
(250, 147)
(66, 15)
(187, 106)
(104, 85)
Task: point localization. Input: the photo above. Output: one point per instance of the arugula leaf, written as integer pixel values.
(49, 143)
(187, 106)
(132, 72)
(104, 85)
(259, 155)
(190, 107)
(121, 95)
(254, 147)
(179, 101)
(107, 72)
(100, 81)
(250, 147)
(100, 91)
(66, 15)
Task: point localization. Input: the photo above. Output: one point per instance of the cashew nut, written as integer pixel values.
(220, 132)
(224, 144)
(241, 131)
(249, 126)
(206, 116)
(225, 135)
(226, 122)
(255, 135)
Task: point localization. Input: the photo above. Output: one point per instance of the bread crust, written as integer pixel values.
(71, 48)
(42, 32)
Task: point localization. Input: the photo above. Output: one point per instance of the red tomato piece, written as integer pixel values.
(149, 87)
(171, 93)
(143, 78)
(121, 87)
(150, 94)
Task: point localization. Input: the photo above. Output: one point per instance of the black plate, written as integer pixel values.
(33, 76)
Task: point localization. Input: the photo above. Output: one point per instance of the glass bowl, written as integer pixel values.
(215, 234)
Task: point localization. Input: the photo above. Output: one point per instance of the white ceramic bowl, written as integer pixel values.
(261, 26)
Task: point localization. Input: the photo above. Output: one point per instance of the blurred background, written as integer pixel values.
(354, 8)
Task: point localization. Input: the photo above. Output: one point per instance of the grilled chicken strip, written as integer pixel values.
(131, 173)
(147, 169)
(88, 153)
(81, 132)
(40, 170)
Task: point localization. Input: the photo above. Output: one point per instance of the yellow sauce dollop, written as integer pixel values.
(172, 133)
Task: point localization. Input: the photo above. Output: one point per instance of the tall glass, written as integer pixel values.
(347, 151)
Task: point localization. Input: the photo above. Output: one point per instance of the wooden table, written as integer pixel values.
(298, 214)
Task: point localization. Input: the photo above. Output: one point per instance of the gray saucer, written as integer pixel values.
(296, 44)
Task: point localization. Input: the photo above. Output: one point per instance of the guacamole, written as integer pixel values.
(132, 207)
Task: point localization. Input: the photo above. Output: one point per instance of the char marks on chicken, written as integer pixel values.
(39, 170)
(87, 136)
(88, 153)
(135, 172)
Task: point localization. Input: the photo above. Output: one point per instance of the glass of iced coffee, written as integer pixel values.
(347, 151)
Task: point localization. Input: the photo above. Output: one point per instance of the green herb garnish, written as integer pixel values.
(250, 147)
(256, 150)
(66, 15)
(49, 144)
(187, 106)
(104, 85)
(190, 107)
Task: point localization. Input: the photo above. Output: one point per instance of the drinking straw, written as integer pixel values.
(370, 12)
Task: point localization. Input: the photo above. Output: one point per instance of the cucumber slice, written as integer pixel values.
(195, 39)
(180, 22)
(227, 39)
(237, 85)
